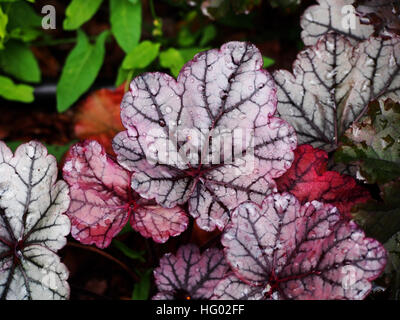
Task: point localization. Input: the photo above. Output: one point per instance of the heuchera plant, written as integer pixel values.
(102, 200)
(308, 179)
(283, 250)
(174, 129)
(332, 84)
(32, 224)
(189, 274)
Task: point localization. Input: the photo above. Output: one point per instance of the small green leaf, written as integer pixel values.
(17, 92)
(268, 62)
(18, 61)
(126, 23)
(208, 34)
(135, 255)
(141, 56)
(186, 38)
(173, 60)
(80, 11)
(141, 290)
(80, 70)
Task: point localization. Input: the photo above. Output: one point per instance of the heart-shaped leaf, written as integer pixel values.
(333, 83)
(102, 200)
(189, 274)
(209, 138)
(291, 251)
(308, 179)
(32, 225)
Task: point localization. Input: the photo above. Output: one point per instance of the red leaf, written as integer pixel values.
(308, 179)
(98, 117)
(289, 251)
(102, 200)
(189, 274)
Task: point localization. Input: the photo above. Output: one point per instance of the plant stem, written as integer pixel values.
(107, 256)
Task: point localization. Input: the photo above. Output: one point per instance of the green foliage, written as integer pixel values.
(17, 60)
(141, 56)
(126, 23)
(18, 92)
(374, 144)
(24, 23)
(174, 59)
(268, 62)
(80, 69)
(3, 25)
(141, 289)
(128, 252)
(80, 11)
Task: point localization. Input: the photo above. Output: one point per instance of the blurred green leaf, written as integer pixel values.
(80, 70)
(122, 75)
(18, 61)
(126, 23)
(208, 34)
(3, 26)
(189, 53)
(80, 11)
(173, 60)
(141, 56)
(268, 62)
(57, 151)
(141, 290)
(17, 92)
(24, 23)
(186, 38)
(132, 254)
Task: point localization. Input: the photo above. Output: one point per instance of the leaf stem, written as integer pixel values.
(107, 256)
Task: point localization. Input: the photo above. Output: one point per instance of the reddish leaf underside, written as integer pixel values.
(102, 200)
(218, 91)
(308, 179)
(283, 250)
(98, 117)
(189, 274)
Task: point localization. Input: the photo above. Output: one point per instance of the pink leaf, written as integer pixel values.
(299, 252)
(308, 179)
(189, 274)
(102, 200)
(175, 128)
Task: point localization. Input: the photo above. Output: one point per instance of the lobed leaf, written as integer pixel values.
(333, 83)
(221, 109)
(189, 274)
(337, 16)
(32, 225)
(102, 201)
(291, 251)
